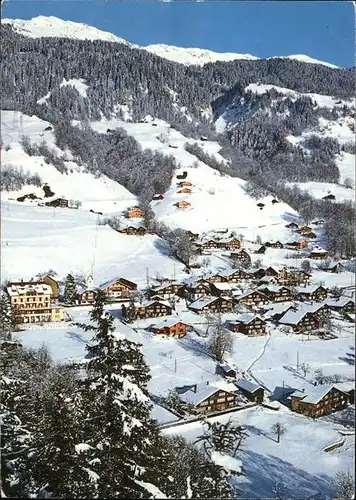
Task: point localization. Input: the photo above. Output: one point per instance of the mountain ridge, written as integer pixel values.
(55, 27)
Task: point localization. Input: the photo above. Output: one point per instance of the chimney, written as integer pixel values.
(207, 383)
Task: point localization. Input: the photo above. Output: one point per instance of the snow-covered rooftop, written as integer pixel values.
(247, 385)
(202, 302)
(295, 314)
(22, 289)
(168, 322)
(307, 288)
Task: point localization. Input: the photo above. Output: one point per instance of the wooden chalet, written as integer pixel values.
(260, 250)
(205, 397)
(149, 309)
(305, 230)
(311, 292)
(185, 184)
(237, 275)
(212, 304)
(184, 190)
(229, 243)
(320, 400)
(274, 244)
(183, 175)
(87, 297)
(168, 290)
(134, 212)
(248, 324)
(225, 371)
(170, 328)
(302, 317)
(297, 244)
(311, 235)
(206, 246)
(198, 289)
(157, 197)
(336, 268)
(293, 277)
(219, 288)
(251, 391)
(318, 254)
(269, 271)
(119, 288)
(329, 197)
(134, 231)
(58, 202)
(192, 236)
(217, 278)
(342, 305)
(292, 225)
(242, 257)
(182, 204)
(252, 298)
(277, 293)
(319, 222)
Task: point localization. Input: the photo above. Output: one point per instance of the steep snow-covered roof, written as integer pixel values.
(247, 385)
(308, 288)
(340, 302)
(168, 323)
(196, 394)
(245, 318)
(316, 394)
(295, 314)
(202, 302)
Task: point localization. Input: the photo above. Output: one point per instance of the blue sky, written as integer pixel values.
(323, 30)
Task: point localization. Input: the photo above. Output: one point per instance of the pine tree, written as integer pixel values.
(7, 318)
(117, 422)
(62, 461)
(70, 290)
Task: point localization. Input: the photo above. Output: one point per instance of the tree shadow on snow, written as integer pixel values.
(262, 472)
(76, 336)
(349, 359)
(162, 246)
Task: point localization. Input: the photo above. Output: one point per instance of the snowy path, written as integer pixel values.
(257, 359)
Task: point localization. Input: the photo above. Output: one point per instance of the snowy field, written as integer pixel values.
(101, 193)
(321, 189)
(36, 239)
(298, 461)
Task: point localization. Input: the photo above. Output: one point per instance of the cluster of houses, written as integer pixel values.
(232, 391)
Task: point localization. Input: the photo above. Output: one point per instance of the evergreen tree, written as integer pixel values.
(7, 318)
(70, 290)
(117, 422)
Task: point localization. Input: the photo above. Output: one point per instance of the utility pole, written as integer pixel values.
(175, 365)
(147, 278)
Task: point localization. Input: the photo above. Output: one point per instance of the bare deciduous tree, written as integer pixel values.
(221, 340)
(305, 368)
(278, 430)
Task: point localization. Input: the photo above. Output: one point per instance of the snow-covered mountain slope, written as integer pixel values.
(97, 193)
(35, 239)
(51, 26)
(306, 59)
(216, 201)
(322, 101)
(195, 56)
(43, 26)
